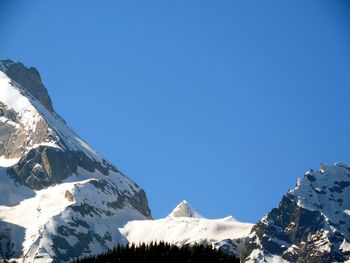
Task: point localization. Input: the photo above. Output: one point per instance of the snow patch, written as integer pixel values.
(5, 162)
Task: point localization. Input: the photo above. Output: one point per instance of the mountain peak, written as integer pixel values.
(185, 226)
(184, 209)
(29, 79)
(310, 224)
(54, 186)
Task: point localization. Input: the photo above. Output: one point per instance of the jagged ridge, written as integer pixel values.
(311, 223)
(60, 199)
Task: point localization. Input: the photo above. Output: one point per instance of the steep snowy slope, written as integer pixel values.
(311, 223)
(184, 225)
(59, 198)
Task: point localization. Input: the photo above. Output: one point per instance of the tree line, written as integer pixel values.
(161, 253)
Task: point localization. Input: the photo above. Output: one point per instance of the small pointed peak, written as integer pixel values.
(322, 168)
(184, 209)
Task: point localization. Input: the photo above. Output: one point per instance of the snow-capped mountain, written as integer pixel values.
(59, 198)
(311, 223)
(185, 225)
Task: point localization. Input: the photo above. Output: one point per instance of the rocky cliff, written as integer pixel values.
(311, 223)
(60, 199)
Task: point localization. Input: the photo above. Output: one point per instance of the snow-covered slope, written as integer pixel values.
(311, 223)
(59, 198)
(184, 225)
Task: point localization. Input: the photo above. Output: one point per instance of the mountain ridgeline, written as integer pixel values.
(311, 223)
(185, 226)
(60, 200)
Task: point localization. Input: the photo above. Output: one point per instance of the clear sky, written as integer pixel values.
(222, 103)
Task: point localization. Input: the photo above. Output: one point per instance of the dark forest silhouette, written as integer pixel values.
(161, 253)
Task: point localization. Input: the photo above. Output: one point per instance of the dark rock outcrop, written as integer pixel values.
(309, 225)
(43, 166)
(30, 80)
(80, 198)
(11, 236)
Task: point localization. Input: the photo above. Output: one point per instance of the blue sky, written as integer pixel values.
(222, 103)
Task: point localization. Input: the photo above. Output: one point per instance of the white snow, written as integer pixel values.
(275, 259)
(345, 246)
(11, 96)
(184, 229)
(181, 230)
(40, 212)
(33, 213)
(258, 255)
(5, 162)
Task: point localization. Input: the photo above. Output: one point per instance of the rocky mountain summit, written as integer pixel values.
(184, 209)
(59, 198)
(311, 223)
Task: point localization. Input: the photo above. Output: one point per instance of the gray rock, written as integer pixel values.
(49, 155)
(11, 238)
(30, 80)
(298, 234)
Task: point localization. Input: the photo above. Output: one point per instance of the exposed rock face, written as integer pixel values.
(43, 166)
(184, 209)
(311, 224)
(30, 80)
(11, 237)
(77, 199)
(69, 196)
